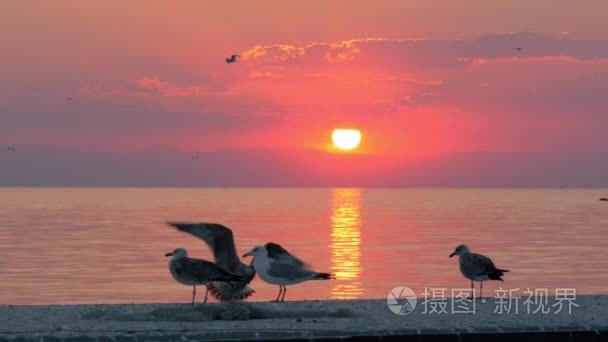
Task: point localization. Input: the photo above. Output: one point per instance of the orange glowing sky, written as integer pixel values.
(419, 78)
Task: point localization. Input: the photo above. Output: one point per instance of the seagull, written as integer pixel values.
(477, 267)
(232, 59)
(282, 272)
(221, 242)
(518, 49)
(189, 271)
(11, 148)
(68, 99)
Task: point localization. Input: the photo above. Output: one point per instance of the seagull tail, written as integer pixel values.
(324, 276)
(224, 292)
(497, 274)
(494, 277)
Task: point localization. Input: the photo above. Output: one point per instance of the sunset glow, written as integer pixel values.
(346, 241)
(200, 164)
(346, 139)
(429, 99)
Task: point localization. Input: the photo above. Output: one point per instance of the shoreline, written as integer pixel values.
(310, 320)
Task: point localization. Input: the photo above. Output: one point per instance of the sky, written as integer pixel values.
(439, 90)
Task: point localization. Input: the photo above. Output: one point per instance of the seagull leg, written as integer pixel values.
(472, 290)
(193, 293)
(480, 289)
(279, 296)
(206, 294)
(284, 292)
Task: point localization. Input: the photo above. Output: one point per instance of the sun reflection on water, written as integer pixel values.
(345, 243)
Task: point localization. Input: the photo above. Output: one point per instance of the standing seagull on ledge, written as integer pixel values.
(194, 272)
(232, 59)
(221, 242)
(282, 272)
(477, 267)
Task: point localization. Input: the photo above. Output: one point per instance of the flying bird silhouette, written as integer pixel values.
(11, 148)
(518, 49)
(68, 99)
(232, 59)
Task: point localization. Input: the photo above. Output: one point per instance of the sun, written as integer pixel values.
(346, 138)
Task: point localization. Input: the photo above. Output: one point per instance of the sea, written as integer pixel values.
(108, 245)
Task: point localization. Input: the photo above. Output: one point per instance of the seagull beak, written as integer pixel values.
(451, 255)
(247, 254)
(169, 254)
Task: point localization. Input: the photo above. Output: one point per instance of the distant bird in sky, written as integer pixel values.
(11, 149)
(189, 271)
(282, 272)
(221, 242)
(477, 267)
(232, 59)
(69, 98)
(518, 49)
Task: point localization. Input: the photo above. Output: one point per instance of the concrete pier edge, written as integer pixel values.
(319, 320)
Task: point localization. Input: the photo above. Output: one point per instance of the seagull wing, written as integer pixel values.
(202, 270)
(193, 269)
(289, 271)
(217, 237)
(482, 265)
(277, 252)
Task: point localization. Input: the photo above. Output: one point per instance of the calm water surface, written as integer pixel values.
(107, 245)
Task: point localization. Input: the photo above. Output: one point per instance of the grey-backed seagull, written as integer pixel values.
(189, 271)
(282, 272)
(221, 242)
(477, 267)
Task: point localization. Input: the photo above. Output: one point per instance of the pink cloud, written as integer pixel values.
(170, 88)
(430, 53)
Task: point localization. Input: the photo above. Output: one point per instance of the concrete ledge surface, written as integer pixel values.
(357, 320)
